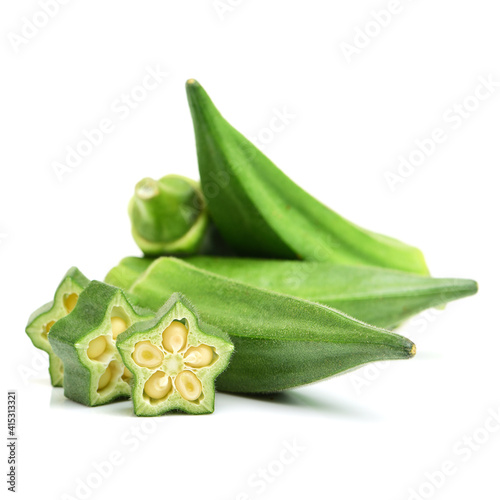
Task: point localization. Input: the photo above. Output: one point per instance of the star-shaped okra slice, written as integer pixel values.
(44, 318)
(85, 341)
(174, 360)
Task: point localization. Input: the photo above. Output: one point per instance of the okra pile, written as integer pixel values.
(255, 288)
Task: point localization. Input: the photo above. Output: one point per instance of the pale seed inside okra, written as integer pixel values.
(175, 337)
(158, 385)
(105, 378)
(70, 301)
(126, 373)
(188, 385)
(46, 329)
(118, 325)
(147, 355)
(96, 347)
(200, 356)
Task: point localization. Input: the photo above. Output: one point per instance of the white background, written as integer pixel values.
(377, 433)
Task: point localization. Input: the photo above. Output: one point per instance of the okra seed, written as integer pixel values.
(126, 373)
(118, 325)
(70, 301)
(96, 347)
(46, 328)
(158, 385)
(105, 378)
(188, 385)
(147, 355)
(175, 337)
(197, 357)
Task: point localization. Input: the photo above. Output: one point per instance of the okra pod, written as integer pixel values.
(127, 271)
(378, 296)
(261, 212)
(168, 216)
(280, 341)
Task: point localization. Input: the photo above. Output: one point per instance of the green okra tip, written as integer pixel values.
(192, 83)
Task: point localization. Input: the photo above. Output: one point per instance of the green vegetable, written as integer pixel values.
(127, 271)
(168, 216)
(94, 373)
(280, 341)
(42, 320)
(261, 212)
(381, 297)
(378, 296)
(174, 359)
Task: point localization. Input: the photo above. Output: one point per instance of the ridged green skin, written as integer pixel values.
(177, 308)
(70, 338)
(127, 271)
(261, 212)
(168, 216)
(73, 282)
(280, 341)
(378, 296)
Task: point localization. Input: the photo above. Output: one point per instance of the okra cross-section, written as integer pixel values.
(44, 318)
(85, 340)
(174, 359)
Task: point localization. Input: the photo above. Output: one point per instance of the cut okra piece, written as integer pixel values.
(44, 318)
(174, 359)
(85, 340)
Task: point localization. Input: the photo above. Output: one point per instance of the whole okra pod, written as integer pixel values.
(378, 296)
(280, 341)
(262, 212)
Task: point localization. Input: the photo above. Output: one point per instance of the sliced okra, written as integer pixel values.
(43, 319)
(85, 340)
(174, 359)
